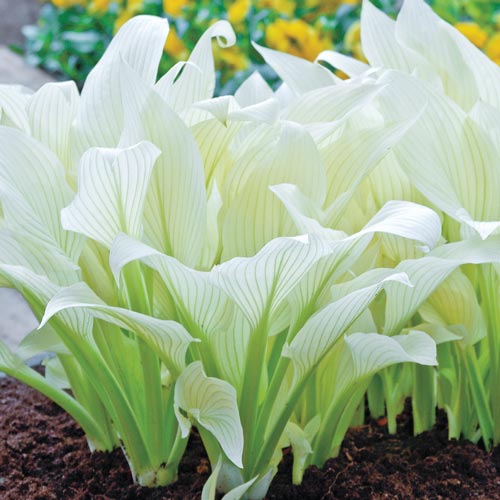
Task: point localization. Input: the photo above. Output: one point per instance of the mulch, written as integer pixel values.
(43, 455)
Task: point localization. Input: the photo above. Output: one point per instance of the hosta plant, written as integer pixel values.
(449, 162)
(217, 262)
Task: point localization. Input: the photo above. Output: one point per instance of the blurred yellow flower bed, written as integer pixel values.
(72, 34)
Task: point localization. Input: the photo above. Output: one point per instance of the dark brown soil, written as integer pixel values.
(43, 455)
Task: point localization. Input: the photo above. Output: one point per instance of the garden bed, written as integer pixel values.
(43, 455)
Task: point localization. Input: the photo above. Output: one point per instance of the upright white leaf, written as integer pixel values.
(33, 190)
(20, 249)
(139, 44)
(112, 186)
(254, 216)
(378, 38)
(13, 101)
(210, 403)
(419, 29)
(299, 74)
(349, 65)
(37, 290)
(455, 303)
(51, 111)
(253, 90)
(196, 82)
(175, 212)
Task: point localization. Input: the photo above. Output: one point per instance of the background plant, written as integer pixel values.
(71, 35)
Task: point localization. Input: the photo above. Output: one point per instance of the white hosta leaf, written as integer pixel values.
(51, 112)
(452, 161)
(386, 182)
(55, 374)
(219, 107)
(488, 118)
(427, 273)
(301, 446)
(378, 38)
(255, 215)
(9, 362)
(211, 248)
(349, 65)
(259, 284)
(33, 190)
(41, 340)
(486, 72)
(198, 301)
(139, 43)
(350, 159)
(253, 90)
(112, 186)
(213, 140)
(299, 74)
(23, 250)
(13, 101)
(231, 346)
(455, 303)
(398, 218)
(210, 487)
(408, 220)
(175, 212)
(306, 214)
(211, 403)
(371, 352)
(323, 329)
(239, 492)
(197, 80)
(441, 334)
(37, 290)
(209, 491)
(471, 251)
(267, 111)
(168, 339)
(419, 29)
(331, 103)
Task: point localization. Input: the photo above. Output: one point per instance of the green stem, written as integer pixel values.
(423, 398)
(479, 395)
(250, 390)
(85, 394)
(336, 421)
(489, 287)
(152, 411)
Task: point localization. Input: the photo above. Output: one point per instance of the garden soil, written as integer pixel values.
(43, 455)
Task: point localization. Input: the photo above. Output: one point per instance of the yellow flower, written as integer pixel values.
(295, 37)
(285, 7)
(99, 6)
(131, 9)
(174, 7)
(174, 46)
(473, 32)
(352, 41)
(238, 10)
(492, 48)
(63, 4)
(232, 58)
